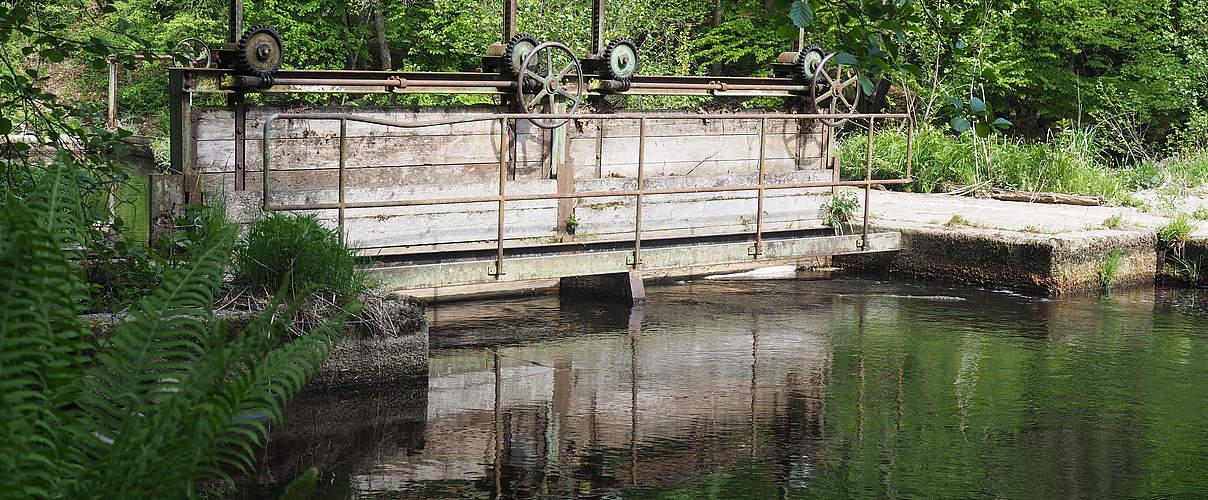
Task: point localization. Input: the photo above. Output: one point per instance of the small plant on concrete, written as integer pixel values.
(1200, 213)
(1176, 233)
(958, 221)
(572, 224)
(1109, 266)
(839, 209)
(1114, 222)
(280, 247)
(1128, 200)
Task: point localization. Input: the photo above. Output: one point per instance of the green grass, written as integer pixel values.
(958, 221)
(1110, 264)
(1071, 162)
(1200, 213)
(1115, 222)
(1190, 268)
(280, 247)
(1176, 231)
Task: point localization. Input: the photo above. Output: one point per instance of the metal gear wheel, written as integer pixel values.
(621, 60)
(518, 48)
(807, 61)
(259, 52)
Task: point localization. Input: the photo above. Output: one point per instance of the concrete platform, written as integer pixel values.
(1044, 247)
(667, 259)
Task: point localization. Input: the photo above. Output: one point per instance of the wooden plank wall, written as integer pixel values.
(460, 160)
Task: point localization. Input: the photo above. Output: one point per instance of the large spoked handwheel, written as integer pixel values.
(544, 76)
(836, 88)
(196, 52)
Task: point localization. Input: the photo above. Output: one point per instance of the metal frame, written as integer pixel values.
(502, 198)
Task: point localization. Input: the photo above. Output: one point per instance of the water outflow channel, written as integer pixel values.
(830, 388)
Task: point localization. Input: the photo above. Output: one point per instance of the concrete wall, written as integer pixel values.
(387, 163)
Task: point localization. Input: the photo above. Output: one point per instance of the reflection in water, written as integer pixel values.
(784, 389)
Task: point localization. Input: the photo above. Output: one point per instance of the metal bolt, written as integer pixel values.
(263, 51)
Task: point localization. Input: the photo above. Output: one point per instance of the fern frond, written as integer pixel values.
(40, 331)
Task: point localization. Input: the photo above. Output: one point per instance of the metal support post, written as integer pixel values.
(597, 27)
(239, 101)
(178, 118)
(763, 141)
(509, 20)
(503, 175)
(235, 29)
(868, 182)
(637, 208)
(343, 165)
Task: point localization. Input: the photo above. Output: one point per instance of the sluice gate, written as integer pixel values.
(541, 184)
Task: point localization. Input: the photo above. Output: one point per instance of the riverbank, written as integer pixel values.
(1042, 247)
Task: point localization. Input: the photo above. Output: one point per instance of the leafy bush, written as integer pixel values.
(839, 209)
(280, 247)
(165, 402)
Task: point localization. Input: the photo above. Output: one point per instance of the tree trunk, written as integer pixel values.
(379, 24)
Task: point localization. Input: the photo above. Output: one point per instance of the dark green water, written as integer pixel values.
(838, 388)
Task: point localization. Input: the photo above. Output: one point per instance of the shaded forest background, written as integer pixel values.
(1139, 67)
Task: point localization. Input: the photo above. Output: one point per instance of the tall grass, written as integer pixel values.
(1071, 162)
(280, 247)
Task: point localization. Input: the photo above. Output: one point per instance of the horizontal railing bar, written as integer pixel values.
(518, 244)
(584, 194)
(584, 116)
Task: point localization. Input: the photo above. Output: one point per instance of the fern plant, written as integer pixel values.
(164, 401)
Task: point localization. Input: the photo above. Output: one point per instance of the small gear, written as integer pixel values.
(620, 60)
(259, 51)
(806, 62)
(518, 48)
(266, 82)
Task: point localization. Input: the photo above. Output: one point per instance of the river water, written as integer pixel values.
(832, 388)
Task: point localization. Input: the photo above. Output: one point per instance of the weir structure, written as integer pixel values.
(534, 187)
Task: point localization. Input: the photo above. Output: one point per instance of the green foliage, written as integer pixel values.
(1070, 163)
(1188, 268)
(296, 253)
(165, 400)
(572, 224)
(1200, 213)
(1177, 231)
(839, 209)
(1115, 222)
(1110, 264)
(959, 221)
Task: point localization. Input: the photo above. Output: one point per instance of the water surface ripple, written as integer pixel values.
(835, 388)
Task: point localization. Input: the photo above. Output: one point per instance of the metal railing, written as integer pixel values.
(502, 197)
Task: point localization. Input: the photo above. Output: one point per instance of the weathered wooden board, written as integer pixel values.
(218, 124)
(461, 160)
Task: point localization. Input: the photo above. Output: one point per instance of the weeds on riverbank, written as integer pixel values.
(1109, 266)
(1070, 162)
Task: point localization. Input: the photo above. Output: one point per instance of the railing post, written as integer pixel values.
(503, 172)
(763, 140)
(637, 208)
(343, 164)
(867, 182)
(909, 147)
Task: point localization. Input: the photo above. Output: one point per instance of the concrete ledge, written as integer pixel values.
(1051, 263)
